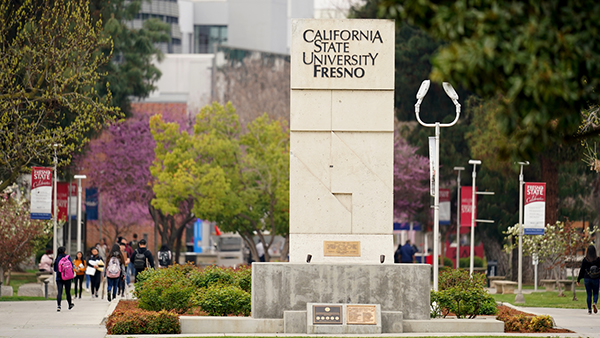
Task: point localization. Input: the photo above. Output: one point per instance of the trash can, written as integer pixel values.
(492, 270)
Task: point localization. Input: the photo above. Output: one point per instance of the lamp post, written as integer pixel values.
(79, 178)
(459, 169)
(55, 207)
(437, 125)
(474, 163)
(519, 297)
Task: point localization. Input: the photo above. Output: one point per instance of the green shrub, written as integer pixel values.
(223, 300)
(460, 294)
(165, 289)
(213, 275)
(448, 262)
(137, 321)
(465, 262)
(243, 278)
(541, 323)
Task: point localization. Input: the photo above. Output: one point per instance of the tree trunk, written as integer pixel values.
(493, 251)
(286, 249)
(550, 177)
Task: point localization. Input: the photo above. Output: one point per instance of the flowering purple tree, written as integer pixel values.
(411, 172)
(118, 164)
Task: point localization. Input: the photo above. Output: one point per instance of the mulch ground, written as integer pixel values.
(514, 312)
(132, 304)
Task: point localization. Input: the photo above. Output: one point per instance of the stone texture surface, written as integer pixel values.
(377, 75)
(392, 322)
(6, 291)
(200, 325)
(36, 290)
(279, 287)
(371, 246)
(454, 325)
(294, 322)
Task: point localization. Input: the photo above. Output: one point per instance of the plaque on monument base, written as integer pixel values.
(330, 318)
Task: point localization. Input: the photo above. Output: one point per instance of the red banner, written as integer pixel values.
(41, 193)
(62, 199)
(466, 198)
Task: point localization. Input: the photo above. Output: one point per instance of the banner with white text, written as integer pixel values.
(466, 205)
(444, 206)
(432, 165)
(534, 209)
(41, 193)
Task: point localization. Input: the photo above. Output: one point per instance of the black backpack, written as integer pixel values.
(594, 272)
(139, 260)
(164, 258)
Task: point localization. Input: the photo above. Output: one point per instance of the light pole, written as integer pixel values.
(79, 178)
(474, 163)
(436, 208)
(55, 207)
(519, 297)
(459, 169)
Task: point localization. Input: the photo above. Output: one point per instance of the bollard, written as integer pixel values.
(46, 281)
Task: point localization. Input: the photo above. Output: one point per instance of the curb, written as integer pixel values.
(109, 311)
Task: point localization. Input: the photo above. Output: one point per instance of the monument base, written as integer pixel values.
(281, 287)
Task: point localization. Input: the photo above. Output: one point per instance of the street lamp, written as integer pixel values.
(459, 169)
(519, 297)
(79, 178)
(474, 163)
(436, 207)
(55, 208)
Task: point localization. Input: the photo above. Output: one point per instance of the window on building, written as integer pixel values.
(205, 37)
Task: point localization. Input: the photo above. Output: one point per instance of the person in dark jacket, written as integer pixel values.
(60, 282)
(97, 263)
(141, 263)
(407, 253)
(591, 284)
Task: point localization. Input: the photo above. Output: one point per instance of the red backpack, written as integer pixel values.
(65, 267)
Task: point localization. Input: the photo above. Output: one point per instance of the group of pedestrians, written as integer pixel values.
(116, 265)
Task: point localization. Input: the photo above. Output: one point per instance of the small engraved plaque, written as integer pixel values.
(327, 314)
(341, 249)
(361, 314)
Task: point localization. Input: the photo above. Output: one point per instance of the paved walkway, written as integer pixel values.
(27, 319)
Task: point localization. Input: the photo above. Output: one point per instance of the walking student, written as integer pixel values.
(79, 265)
(94, 263)
(590, 272)
(63, 266)
(115, 271)
(165, 257)
(142, 258)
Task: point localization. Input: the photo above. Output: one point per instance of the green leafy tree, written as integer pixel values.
(131, 72)
(49, 68)
(543, 57)
(238, 180)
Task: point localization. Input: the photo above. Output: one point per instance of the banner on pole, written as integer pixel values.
(73, 201)
(432, 165)
(534, 208)
(62, 197)
(91, 204)
(445, 206)
(41, 193)
(198, 230)
(466, 200)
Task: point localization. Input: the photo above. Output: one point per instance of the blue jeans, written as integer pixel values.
(87, 281)
(130, 272)
(591, 287)
(113, 284)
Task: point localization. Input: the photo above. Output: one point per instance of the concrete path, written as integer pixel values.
(29, 319)
(577, 320)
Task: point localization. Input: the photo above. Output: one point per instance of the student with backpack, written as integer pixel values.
(63, 266)
(165, 257)
(115, 271)
(142, 258)
(590, 272)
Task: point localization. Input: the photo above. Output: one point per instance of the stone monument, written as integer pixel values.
(341, 189)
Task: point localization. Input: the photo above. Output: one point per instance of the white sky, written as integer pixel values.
(335, 4)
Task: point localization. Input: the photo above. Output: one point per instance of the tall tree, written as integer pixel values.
(49, 68)
(543, 57)
(411, 173)
(20, 236)
(132, 71)
(238, 180)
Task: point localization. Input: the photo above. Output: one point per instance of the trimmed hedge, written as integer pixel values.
(138, 321)
(223, 300)
(165, 289)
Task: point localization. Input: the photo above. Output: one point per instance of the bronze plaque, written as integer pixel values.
(361, 314)
(341, 249)
(327, 314)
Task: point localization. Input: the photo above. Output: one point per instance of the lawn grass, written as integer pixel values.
(547, 299)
